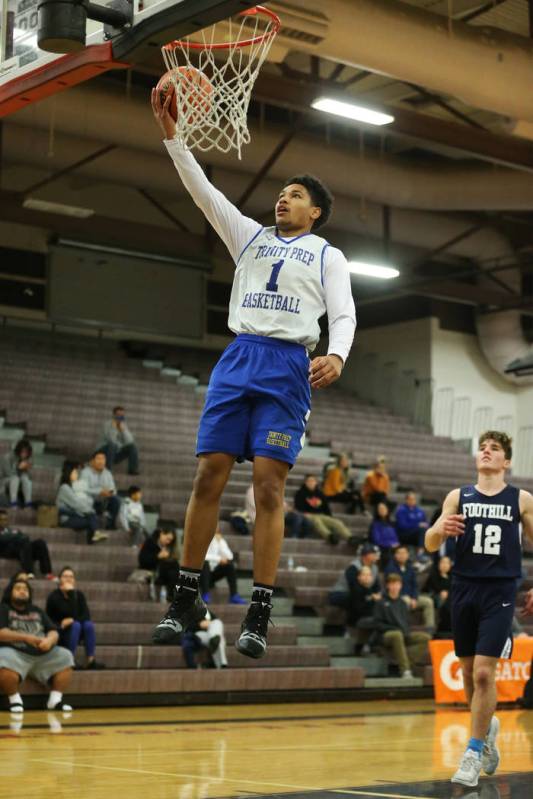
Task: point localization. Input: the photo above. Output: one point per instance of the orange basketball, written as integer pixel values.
(194, 90)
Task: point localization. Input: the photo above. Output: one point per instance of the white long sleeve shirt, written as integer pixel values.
(281, 286)
(131, 513)
(218, 550)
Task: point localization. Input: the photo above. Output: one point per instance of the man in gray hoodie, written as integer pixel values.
(119, 444)
(100, 485)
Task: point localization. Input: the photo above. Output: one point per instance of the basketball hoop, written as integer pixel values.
(214, 114)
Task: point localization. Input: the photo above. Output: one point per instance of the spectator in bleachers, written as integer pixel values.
(68, 609)
(338, 487)
(438, 586)
(438, 583)
(310, 500)
(159, 554)
(28, 648)
(399, 564)
(376, 487)
(411, 523)
(368, 556)
(297, 525)
(101, 486)
(15, 474)
(131, 517)
(447, 548)
(382, 532)
(119, 444)
(364, 594)
(15, 545)
(20, 575)
(206, 634)
(391, 619)
(219, 564)
(75, 505)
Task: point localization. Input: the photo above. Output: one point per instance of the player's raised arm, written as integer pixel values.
(235, 229)
(449, 523)
(341, 319)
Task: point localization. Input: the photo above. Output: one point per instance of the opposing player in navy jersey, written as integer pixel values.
(485, 519)
(259, 398)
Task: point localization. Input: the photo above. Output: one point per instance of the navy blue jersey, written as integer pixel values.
(491, 545)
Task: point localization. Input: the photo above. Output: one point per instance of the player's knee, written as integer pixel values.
(482, 676)
(268, 494)
(208, 483)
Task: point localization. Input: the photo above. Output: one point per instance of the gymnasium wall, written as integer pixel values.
(440, 378)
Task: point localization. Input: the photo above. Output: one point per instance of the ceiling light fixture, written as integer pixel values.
(351, 111)
(372, 270)
(57, 208)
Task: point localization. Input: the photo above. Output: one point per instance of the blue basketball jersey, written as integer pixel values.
(491, 545)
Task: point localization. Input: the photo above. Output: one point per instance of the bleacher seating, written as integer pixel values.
(60, 390)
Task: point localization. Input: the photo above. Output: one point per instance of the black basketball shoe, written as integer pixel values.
(186, 608)
(252, 641)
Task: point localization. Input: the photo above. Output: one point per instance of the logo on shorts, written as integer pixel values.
(506, 604)
(278, 439)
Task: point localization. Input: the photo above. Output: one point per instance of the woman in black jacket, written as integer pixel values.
(159, 554)
(68, 609)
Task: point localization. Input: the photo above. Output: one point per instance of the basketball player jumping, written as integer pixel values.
(485, 519)
(258, 399)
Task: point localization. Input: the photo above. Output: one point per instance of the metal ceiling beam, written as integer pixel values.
(469, 16)
(497, 148)
(104, 230)
(365, 73)
(72, 168)
(447, 244)
(270, 161)
(162, 210)
(436, 100)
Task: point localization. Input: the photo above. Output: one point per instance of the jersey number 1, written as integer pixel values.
(272, 283)
(487, 540)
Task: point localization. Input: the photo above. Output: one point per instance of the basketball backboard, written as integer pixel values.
(28, 74)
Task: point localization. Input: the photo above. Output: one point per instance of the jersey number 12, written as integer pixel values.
(487, 539)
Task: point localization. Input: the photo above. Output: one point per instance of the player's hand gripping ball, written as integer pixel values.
(193, 89)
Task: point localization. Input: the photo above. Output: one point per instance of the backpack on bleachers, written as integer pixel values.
(47, 516)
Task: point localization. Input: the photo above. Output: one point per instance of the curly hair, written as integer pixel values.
(505, 441)
(320, 195)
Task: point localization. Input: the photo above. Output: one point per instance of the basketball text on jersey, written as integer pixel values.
(278, 288)
(271, 302)
(478, 510)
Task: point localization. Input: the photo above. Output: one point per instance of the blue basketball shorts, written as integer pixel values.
(482, 616)
(258, 400)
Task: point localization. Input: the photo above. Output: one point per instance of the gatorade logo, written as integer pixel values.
(450, 672)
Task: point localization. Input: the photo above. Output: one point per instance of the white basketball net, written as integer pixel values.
(212, 107)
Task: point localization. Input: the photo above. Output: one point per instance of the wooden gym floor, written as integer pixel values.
(389, 749)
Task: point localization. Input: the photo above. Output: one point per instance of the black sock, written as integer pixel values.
(262, 593)
(189, 580)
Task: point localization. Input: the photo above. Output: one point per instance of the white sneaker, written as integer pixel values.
(100, 536)
(469, 769)
(408, 674)
(490, 758)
